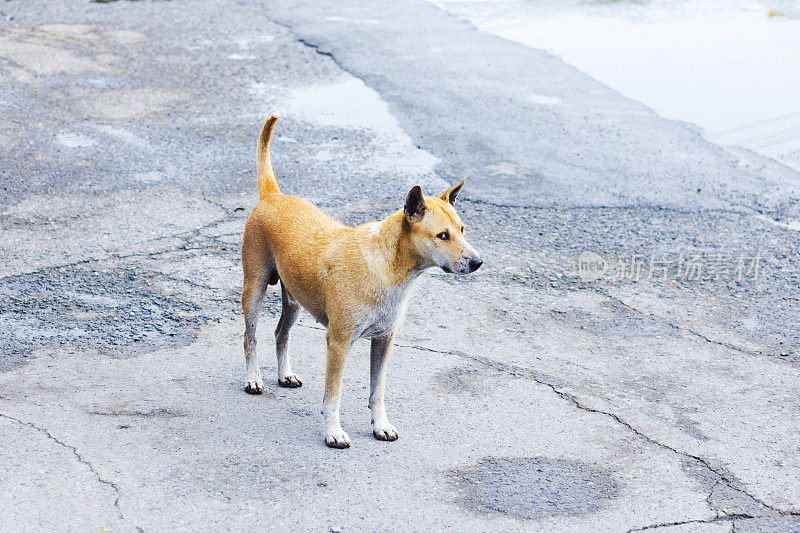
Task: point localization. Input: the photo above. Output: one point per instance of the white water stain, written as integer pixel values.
(353, 21)
(543, 100)
(149, 177)
(123, 135)
(793, 225)
(244, 42)
(751, 323)
(345, 103)
(728, 66)
(73, 140)
(324, 155)
(350, 104)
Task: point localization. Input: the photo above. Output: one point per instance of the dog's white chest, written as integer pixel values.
(384, 318)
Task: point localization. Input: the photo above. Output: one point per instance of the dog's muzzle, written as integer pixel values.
(465, 268)
(475, 263)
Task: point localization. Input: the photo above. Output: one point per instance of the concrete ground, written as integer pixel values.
(628, 357)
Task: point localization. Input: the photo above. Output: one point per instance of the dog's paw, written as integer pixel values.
(384, 431)
(254, 386)
(337, 439)
(291, 381)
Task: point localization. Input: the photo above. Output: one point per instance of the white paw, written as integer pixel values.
(384, 431)
(254, 386)
(337, 439)
(290, 381)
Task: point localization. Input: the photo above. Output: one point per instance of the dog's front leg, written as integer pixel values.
(338, 345)
(379, 357)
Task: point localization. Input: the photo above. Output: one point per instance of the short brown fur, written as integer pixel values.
(353, 280)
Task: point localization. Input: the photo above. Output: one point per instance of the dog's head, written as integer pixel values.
(437, 233)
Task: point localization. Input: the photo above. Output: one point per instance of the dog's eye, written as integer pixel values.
(462, 229)
(443, 235)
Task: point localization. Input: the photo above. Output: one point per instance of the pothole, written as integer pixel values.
(536, 487)
(116, 311)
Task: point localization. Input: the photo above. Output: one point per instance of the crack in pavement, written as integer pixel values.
(524, 279)
(134, 286)
(708, 498)
(77, 455)
(541, 379)
(186, 236)
(674, 326)
(321, 52)
(730, 518)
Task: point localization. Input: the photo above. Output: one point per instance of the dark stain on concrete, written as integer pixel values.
(536, 487)
(461, 380)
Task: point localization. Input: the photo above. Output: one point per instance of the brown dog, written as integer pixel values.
(353, 280)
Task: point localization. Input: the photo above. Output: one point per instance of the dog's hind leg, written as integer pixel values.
(258, 272)
(252, 298)
(289, 313)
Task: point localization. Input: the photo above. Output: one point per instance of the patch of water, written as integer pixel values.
(349, 104)
(344, 103)
(732, 67)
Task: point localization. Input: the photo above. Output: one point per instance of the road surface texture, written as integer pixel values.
(627, 359)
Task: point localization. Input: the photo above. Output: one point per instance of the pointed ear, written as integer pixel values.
(415, 204)
(451, 194)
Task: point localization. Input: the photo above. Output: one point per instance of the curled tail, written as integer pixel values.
(266, 177)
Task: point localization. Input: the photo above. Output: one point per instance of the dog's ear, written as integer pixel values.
(415, 204)
(451, 194)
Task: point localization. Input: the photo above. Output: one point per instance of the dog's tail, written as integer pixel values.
(266, 177)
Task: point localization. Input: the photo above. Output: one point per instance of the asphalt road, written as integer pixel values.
(628, 357)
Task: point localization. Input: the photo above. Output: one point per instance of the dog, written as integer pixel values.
(353, 280)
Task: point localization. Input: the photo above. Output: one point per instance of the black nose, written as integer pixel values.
(475, 264)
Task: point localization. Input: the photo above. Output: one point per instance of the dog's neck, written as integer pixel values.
(402, 263)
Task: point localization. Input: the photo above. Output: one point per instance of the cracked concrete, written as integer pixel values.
(725, 496)
(15, 518)
(526, 397)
